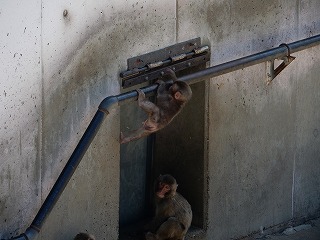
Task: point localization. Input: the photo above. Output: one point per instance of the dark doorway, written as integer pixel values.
(179, 149)
(134, 168)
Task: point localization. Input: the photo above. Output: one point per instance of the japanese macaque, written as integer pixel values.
(84, 236)
(171, 98)
(173, 212)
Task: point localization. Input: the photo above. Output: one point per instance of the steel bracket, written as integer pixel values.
(271, 72)
(150, 66)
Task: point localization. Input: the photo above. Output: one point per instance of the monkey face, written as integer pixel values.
(181, 92)
(174, 88)
(175, 91)
(166, 186)
(163, 190)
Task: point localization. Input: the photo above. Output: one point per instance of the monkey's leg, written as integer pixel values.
(150, 108)
(170, 229)
(150, 125)
(150, 236)
(154, 224)
(162, 86)
(134, 135)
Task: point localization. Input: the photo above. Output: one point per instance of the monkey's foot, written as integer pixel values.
(150, 236)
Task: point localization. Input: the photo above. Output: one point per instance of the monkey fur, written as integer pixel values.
(171, 98)
(84, 236)
(173, 212)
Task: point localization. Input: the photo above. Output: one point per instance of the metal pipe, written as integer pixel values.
(234, 65)
(68, 170)
(304, 44)
(66, 174)
(110, 102)
(214, 71)
(275, 53)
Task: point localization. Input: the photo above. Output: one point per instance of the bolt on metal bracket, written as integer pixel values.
(150, 66)
(271, 72)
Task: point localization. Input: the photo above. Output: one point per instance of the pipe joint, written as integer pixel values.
(31, 233)
(108, 103)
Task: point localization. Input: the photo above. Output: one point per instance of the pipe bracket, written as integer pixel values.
(271, 71)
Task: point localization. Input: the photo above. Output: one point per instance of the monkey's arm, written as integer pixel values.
(162, 86)
(149, 107)
(172, 74)
(150, 125)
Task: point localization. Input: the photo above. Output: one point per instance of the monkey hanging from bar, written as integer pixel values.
(84, 236)
(173, 212)
(171, 98)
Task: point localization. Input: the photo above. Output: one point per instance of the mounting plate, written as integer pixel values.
(149, 67)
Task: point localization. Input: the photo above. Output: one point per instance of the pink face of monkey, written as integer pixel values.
(166, 186)
(163, 190)
(181, 91)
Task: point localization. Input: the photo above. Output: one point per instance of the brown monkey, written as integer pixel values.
(173, 212)
(84, 236)
(171, 98)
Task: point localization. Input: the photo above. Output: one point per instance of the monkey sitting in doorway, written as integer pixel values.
(171, 98)
(84, 236)
(173, 212)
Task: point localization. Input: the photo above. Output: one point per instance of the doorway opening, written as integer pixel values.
(180, 149)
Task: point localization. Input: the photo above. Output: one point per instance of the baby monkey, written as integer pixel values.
(173, 212)
(171, 98)
(84, 236)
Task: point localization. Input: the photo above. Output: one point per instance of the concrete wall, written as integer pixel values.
(263, 157)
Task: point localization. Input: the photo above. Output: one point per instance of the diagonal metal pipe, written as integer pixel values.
(111, 102)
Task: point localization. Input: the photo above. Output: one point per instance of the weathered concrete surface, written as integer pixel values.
(310, 230)
(256, 171)
(81, 54)
(20, 108)
(106, 35)
(263, 155)
(263, 158)
(306, 162)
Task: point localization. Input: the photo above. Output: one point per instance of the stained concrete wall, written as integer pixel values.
(20, 121)
(263, 163)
